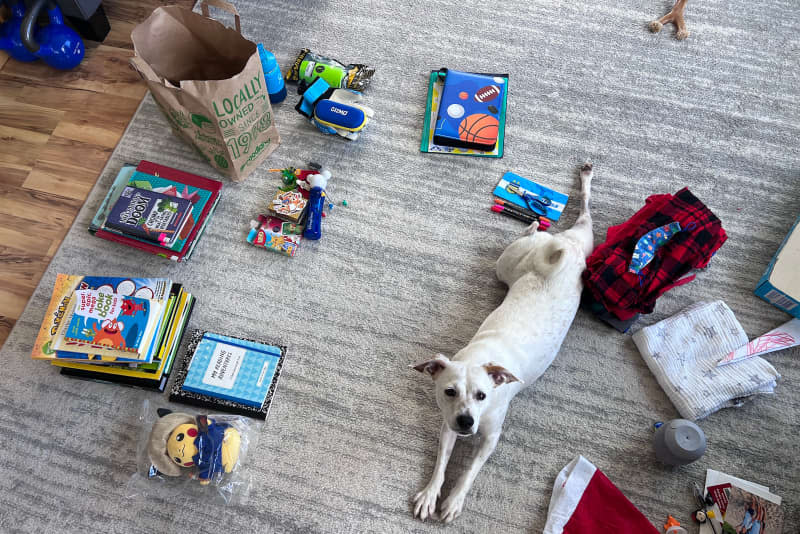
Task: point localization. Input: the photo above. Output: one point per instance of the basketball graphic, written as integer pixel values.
(463, 95)
(479, 128)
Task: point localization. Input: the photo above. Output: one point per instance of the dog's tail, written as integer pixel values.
(551, 258)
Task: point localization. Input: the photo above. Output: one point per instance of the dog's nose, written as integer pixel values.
(465, 421)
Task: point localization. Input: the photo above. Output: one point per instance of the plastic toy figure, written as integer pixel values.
(316, 203)
(179, 441)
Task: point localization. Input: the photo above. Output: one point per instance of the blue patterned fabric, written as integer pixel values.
(649, 243)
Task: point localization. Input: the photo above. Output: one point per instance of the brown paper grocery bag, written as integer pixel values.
(208, 81)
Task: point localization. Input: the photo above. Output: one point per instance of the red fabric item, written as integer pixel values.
(624, 294)
(603, 509)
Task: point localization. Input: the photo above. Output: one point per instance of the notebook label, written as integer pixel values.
(224, 366)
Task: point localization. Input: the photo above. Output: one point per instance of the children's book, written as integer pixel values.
(180, 394)
(275, 234)
(63, 289)
(465, 114)
(109, 324)
(143, 376)
(204, 192)
(530, 196)
(151, 215)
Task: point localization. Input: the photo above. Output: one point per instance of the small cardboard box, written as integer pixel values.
(780, 285)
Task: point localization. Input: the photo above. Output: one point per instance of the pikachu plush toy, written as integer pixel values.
(179, 441)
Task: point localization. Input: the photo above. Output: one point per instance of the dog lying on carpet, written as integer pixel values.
(513, 347)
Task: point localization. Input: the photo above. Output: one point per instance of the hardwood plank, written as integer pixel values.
(23, 268)
(41, 229)
(67, 168)
(13, 302)
(27, 117)
(13, 176)
(102, 122)
(104, 69)
(35, 205)
(19, 147)
(40, 94)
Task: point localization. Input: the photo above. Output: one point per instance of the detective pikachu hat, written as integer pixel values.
(157, 443)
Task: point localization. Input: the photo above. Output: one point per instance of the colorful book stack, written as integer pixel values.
(229, 374)
(114, 329)
(157, 209)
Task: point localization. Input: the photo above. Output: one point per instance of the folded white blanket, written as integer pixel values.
(683, 350)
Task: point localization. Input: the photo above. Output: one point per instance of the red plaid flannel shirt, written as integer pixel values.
(625, 294)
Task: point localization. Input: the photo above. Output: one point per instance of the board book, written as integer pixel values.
(541, 200)
(476, 101)
(180, 394)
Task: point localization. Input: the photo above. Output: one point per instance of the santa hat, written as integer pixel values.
(584, 500)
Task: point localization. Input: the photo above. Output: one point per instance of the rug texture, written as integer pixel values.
(407, 270)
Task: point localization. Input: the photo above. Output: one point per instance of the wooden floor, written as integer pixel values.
(58, 129)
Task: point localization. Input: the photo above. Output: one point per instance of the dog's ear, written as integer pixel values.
(432, 367)
(500, 374)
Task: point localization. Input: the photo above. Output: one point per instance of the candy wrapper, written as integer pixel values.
(309, 66)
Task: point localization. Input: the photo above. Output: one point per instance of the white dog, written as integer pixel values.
(511, 349)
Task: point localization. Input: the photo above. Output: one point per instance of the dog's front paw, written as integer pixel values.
(425, 502)
(452, 506)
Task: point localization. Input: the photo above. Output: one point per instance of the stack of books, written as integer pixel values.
(157, 209)
(114, 329)
(229, 374)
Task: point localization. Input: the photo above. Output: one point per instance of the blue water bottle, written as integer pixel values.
(272, 72)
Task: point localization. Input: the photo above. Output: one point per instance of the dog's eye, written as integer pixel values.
(480, 395)
(450, 392)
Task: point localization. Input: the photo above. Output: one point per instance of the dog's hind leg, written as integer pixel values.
(582, 229)
(425, 500)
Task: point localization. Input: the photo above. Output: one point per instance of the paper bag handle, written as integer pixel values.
(225, 6)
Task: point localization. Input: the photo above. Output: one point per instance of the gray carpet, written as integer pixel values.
(408, 270)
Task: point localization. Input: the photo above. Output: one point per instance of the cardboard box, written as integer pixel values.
(780, 285)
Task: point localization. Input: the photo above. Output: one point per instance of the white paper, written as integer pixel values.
(785, 336)
(715, 478)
